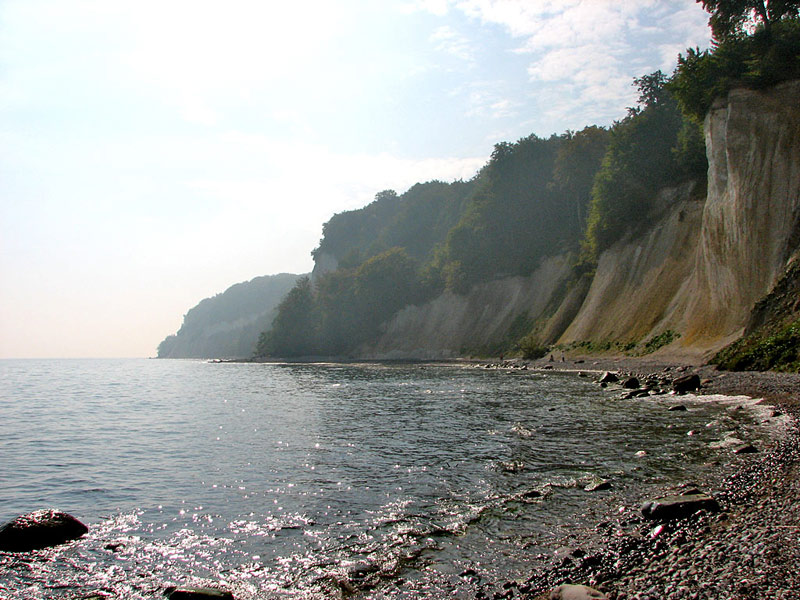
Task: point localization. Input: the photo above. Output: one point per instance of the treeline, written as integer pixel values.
(578, 192)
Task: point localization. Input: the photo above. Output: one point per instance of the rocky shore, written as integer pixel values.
(747, 550)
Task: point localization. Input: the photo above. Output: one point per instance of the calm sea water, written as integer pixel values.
(291, 481)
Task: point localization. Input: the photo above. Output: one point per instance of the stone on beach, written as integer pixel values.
(631, 383)
(40, 529)
(687, 383)
(608, 377)
(197, 593)
(598, 486)
(678, 507)
(576, 592)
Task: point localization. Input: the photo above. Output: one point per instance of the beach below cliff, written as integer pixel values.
(746, 550)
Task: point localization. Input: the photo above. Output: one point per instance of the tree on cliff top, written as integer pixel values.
(732, 18)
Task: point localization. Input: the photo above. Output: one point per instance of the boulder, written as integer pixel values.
(598, 486)
(40, 529)
(576, 592)
(745, 449)
(678, 507)
(197, 593)
(608, 377)
(686, 383)
(677, 408)
(631, 383)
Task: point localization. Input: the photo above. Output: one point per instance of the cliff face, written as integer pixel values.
(451, 325)
(632, 293)
(750, 219)
(698, 270)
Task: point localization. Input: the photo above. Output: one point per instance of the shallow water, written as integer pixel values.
(388, 480)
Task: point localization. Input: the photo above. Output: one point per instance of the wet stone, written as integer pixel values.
(678, 507)
(40, 529)
(576, 592)
(197, 593)
(608, 377)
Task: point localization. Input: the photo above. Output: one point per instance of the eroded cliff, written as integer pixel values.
(700, 270)
(697, 270)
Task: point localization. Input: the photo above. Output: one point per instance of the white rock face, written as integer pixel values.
(702, 267)
(750, 219)
(443, 327)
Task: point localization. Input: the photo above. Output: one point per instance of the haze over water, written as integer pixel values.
(290, 480)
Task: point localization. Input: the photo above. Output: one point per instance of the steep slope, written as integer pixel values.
(697, 271)
(701, 269)
(228, 324)
(454, 325)
(750, 219)
(636, 280)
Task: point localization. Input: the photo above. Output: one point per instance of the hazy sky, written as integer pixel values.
(155, 152)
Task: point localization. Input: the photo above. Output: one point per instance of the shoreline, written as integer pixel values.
(747, 550)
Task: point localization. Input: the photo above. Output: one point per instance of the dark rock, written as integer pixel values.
(631, 383)
(677, 407)
(598, 486)
(197, 593)
(745, 449)
(608, 377)
(576, 592)
(40, 529)
(114, 546)
(678, 507)
(687, 383)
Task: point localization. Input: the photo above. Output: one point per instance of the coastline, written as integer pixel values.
(746, 550)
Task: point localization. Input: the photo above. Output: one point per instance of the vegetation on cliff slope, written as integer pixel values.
(772, 337)
(534, 198)
(530, 201)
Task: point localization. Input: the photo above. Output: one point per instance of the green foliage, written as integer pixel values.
(779, 351)
(293, 330)
(531, 347)
(654, 146)
(417, 220)
(756, 61)
(531, 203)
(734, 18)
(227, 325)
(346, 307)
(664, 338)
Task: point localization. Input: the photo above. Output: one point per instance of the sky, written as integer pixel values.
(153, 153)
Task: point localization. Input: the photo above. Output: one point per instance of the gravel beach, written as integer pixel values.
(749, 549)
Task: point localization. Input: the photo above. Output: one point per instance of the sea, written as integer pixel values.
(365, 480)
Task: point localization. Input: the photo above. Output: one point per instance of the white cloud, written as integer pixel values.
(585, 53)
(446, 39)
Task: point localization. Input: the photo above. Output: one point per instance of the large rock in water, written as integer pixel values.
(608, 377)
(687, 383)
(576, 592)
(197, 593)
(40, 529)
(678, 507)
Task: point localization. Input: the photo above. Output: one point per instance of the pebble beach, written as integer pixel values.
(749, 549)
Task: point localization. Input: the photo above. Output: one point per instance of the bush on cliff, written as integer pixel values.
(653, 147)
